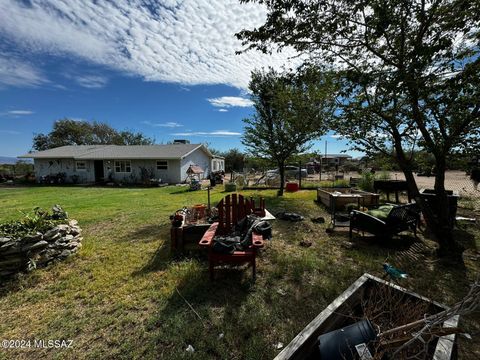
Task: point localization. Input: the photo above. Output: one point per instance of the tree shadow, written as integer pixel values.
(200, 306)
(147, 233)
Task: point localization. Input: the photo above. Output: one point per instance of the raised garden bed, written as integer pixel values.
(386, 306)
(336, 198)
(389, 186)
(430, 197)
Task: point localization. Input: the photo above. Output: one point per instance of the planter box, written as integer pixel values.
(452, 199)
(389, 186)
(337, 198)
(337, 316)
(187, 237)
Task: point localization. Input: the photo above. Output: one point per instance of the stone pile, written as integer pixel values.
(36, 250)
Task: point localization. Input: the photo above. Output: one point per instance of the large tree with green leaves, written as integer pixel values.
(289, 113)
(72, 132)
(409, 74)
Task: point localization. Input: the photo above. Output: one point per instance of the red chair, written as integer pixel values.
(231, 210)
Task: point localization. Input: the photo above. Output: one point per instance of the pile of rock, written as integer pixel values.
(39, 249)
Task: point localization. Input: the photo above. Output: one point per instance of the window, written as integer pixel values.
(162, 164)
(123, 166)
(81, 165)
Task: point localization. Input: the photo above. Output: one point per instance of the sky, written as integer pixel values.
(165, 68)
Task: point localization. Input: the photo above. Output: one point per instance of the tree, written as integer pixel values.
(409, 72)
(71, 132)
(289, 113)
(234, 160)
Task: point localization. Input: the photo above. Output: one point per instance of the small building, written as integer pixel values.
(328, 160)
(122, 163)
(335, 159)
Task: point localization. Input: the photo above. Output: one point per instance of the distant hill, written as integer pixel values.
(10, 160)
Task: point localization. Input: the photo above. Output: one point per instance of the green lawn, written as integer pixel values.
(117, 298)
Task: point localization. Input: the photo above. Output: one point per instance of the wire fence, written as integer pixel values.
(457, 181)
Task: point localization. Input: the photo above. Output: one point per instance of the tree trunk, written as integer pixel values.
(281, 170)
(437, 217)
(443, 229)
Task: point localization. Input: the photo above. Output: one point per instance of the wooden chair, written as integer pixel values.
(231, 210)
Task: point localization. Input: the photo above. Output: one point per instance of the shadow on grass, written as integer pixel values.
(199, 310)
(147, 233)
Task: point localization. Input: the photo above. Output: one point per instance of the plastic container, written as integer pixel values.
(229, 187)
(199, 211)
(291, 187)
(348, 343)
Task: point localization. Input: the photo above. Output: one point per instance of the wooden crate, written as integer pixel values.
(333, 318)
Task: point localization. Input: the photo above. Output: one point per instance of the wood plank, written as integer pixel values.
(294, 349)
(241, 207)
(228, 210)
(234, 210)
(221, 216)
(302, 343)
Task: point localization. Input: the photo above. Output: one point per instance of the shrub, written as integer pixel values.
(384, 175)
(366, 181)
(37, 220)
(334, 184)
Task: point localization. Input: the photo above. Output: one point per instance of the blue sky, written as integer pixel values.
(167, 69)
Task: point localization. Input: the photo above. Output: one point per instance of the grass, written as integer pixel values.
(119, 298)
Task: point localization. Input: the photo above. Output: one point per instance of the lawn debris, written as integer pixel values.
(393, 272)
(190, 305)
(190, 349)
(306, 243)
(318, 220)
(289, 216)
(282, 292)
(347, 244)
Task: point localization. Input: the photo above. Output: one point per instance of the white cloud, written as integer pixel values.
(18, 112)
(181, 41)
(91, 81)
(230, 101)
(216, 133)
(15, 72)
(222, 110)
(336, 136)
(170, 124)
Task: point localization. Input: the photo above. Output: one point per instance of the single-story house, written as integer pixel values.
(124, 163)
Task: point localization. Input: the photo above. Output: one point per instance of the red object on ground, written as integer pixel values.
(291, 186)
(231, 209)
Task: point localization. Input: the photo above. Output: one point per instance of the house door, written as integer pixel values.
(99, 174)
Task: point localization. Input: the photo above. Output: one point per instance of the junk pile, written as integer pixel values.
(38, 239)
(241, 237)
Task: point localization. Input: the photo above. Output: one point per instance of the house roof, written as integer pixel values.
(100, 152)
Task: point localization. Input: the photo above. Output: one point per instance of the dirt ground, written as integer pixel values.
(454, 180)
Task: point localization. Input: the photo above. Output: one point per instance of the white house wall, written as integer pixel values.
(170, 175)
(44, 167)
(198, 157)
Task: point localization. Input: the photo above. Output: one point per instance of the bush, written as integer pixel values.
(366, 181)
(334, 184)
(384, 175)
(38, 220)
